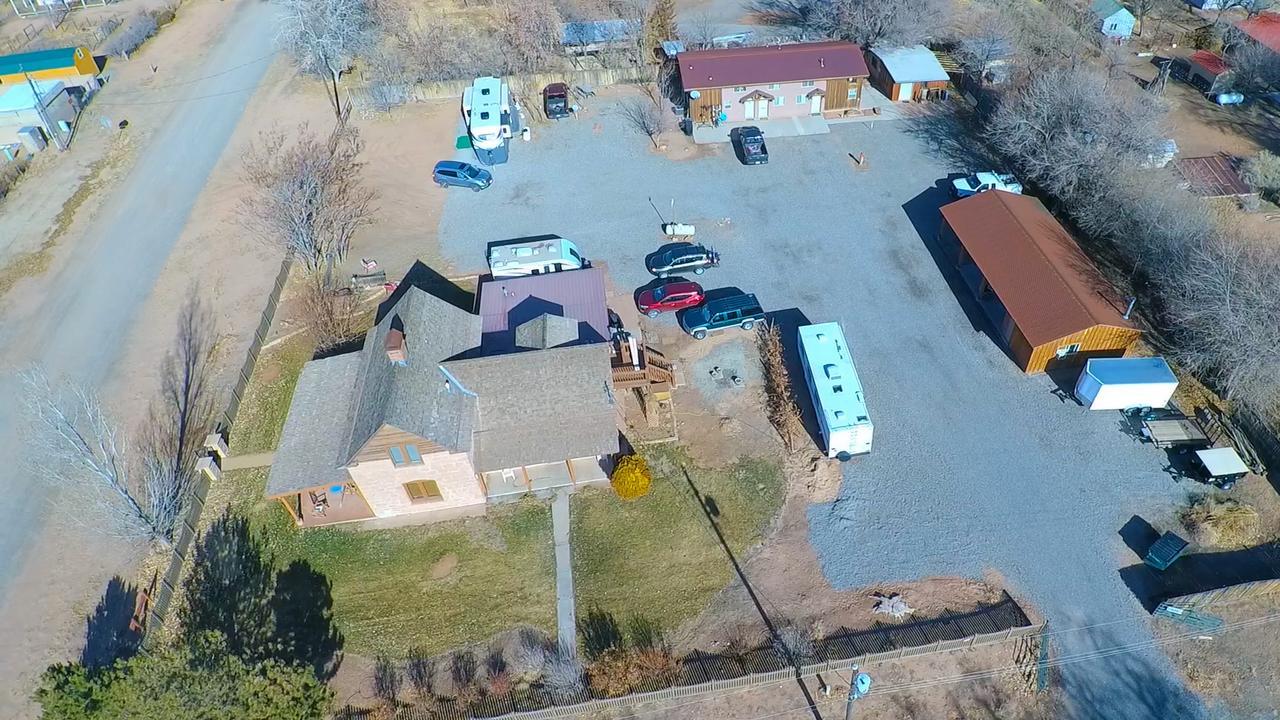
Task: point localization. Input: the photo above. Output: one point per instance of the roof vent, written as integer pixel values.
(822, 62)
(395, 347)
(832, 372)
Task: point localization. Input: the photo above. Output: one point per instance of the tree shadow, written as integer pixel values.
(230, 589)
(1200, 572)
(110, 633)
(600, 632)
(304, 629)
(952, 135)
(432, 283)
(1123, 684)
(789, 322)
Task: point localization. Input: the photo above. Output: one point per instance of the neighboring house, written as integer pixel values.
(444, 411)
(44, 104)
(71, 65)
(1202, 69)
(1033, 282)
(773, 81)
(588, 37)
(1264, 29)
(1112, 18)
(907, 73)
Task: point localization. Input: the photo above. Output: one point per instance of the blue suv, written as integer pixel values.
(449, 173)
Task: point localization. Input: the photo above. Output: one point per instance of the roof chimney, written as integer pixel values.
(822, 62)
(394, 346)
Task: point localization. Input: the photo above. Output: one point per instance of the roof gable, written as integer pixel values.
(1046, 283)
(732, 67)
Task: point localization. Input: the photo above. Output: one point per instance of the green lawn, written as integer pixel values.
(658, 557)
(384, 598)
(266, 400)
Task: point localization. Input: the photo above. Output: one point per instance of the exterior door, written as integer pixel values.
(815, 105)
(762, 109)
(904, 92)
(749, 110)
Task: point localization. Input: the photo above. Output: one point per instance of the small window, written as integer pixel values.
(807, 83)
(402, 455)
(397, 456)
(412, 452)
(740, 89)
(1066, 350)
(853, 92)
(799, 99)
(423, 491)
(779, 101)
(774, 86)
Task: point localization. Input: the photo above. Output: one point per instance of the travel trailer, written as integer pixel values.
(487, 110)
(547, 254)
(836, 391)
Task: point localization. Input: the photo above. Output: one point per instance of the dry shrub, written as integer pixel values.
(333, 314)
(1221, 522)
(631, 478)
(779, 398)
(795, 643)
(658, 665)
(622, 671)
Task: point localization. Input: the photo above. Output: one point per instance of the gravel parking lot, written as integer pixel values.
(975, 466)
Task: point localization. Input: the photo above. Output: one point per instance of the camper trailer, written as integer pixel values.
(1123, 383)
(551, 253)
(835, 389)
(487, 110)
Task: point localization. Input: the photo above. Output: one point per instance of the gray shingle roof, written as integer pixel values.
(547, 331)
(416, 397)
(313, 445)
(542, 406)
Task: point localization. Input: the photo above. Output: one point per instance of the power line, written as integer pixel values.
(220, 73)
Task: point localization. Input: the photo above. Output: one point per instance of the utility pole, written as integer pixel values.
(44, 118)
(859, 685)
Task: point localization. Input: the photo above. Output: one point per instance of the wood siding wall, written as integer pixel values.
(837, 94)
(704, 107)
(1097, 341)
(389, 436)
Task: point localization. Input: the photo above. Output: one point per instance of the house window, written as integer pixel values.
(807, 83)
(1066, 350)
(853, 92)
(402, 455)
(423, 491)
(774, 86)
(740, 89)
(779, 101)
(799, 99)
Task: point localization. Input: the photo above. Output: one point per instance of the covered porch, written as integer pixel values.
(326, 505)
(514, 483)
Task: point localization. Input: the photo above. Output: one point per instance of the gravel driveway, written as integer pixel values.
(975, 467)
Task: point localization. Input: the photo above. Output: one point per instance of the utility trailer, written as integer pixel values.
(1175, 431)
(1123, 383)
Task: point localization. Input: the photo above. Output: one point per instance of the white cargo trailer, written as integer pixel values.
(1122, 383)
(836, 391)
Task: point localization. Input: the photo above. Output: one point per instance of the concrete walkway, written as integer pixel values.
(251, 460)
(566, 618)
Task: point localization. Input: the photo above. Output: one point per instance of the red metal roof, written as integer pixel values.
(1048, 286)
(1211, 62)
(578, 294)
(731, 67)
(1264, 27)
(1214, 176)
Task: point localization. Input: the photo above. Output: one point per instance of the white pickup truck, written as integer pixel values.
(984, 181)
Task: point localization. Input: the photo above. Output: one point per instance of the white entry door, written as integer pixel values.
(904, 92)
(762, 109)
(815, 105)
(749, 110)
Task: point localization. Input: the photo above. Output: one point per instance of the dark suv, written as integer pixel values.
(742, 310)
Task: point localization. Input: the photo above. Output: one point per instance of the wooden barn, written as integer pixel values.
(1047, 301)
(905, 74)
(71, 65)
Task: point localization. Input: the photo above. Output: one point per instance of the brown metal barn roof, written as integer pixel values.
(1046, 283)
(730, 67)
(1214, 176)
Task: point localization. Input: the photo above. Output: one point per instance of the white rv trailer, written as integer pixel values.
(486, 107)
(1123, 383)
(836, 391)
(548, 254)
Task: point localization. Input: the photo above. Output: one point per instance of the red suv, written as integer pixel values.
(669, 297)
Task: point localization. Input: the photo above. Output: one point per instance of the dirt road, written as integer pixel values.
(77, 328)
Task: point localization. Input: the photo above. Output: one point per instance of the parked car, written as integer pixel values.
(670, 297)
(741, 310)
(451, 173)
(749, 143)
(984, 181)
(683, 257)
(555, 101)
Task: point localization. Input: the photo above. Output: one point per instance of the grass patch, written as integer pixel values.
(266, 399)
(1222, 522)
(657, 557)
(385, 599)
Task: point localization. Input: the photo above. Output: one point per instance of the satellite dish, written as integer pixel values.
(695, 94)
(861, 685)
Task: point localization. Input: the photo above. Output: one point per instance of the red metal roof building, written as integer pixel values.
(758, 83)
(1264, 28)
(1046, 299)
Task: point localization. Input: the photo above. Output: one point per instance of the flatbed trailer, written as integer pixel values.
(1175, 432)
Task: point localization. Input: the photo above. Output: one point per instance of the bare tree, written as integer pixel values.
(325, 36)
(645, 116)
(1063, 131)
(700, 31)
(308, 195)
(530, 32)
(1255, 68)
(869, 23)
(981, 51)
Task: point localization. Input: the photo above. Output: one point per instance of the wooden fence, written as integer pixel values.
(702, 673)
(366, 98)
(1233, 593)
(168, 584)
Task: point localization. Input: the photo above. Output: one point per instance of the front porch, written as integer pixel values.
(541, 480)
(326, 505)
